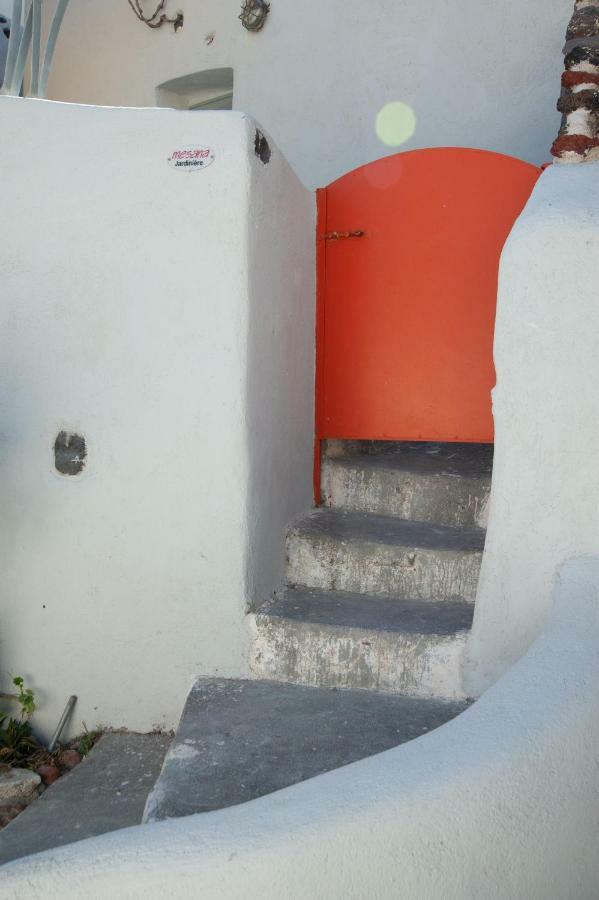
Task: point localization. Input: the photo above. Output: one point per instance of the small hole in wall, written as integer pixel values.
(70, 453)
(262, 148)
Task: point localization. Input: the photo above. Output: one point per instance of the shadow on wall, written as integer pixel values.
(280, 366)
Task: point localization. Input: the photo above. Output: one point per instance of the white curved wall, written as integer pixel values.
(476, 74)
(168, 317)
(545, 495)
(499, 803)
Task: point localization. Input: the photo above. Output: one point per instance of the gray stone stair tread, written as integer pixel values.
(469, 460)
(105, 792)
(348, 610)
(343, 525)
(238, 740)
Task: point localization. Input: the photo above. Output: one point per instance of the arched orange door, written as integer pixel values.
(406, 311)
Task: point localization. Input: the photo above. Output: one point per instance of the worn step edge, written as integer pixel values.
(372, 555)
(376, 484)
(417, 662)
(350, 525)
(464, 458)
(239, 739)
(343, 609)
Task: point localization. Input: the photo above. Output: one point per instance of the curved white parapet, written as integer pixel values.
(544, 504)
(499, 803)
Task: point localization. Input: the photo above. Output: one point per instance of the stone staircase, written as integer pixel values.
(375, 600)
(379, 599)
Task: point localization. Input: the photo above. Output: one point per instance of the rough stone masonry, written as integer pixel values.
(578, 138)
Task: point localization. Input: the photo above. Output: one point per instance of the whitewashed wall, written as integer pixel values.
(476, 74)
(149, 310)
(545, 495)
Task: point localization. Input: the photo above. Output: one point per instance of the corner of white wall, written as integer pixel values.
(280, 382)
(545, 494)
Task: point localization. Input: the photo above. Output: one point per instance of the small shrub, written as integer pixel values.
(25, 698)
(18, 746)
(85, 743)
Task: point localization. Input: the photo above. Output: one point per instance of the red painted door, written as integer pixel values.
(406, 311)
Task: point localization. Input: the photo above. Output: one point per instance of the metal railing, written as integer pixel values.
(26, 42)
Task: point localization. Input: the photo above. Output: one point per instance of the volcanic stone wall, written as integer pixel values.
(578, 139)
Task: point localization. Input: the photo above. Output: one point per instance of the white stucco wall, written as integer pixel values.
(476, 74)
(151, 311)
(281, 223)
(545, 494)
(500, 803)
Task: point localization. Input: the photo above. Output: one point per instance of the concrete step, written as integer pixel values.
(383, 556)
(447, 484)
(105, 792)
(343, 640)
(238, 740)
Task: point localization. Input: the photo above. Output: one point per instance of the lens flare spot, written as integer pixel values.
(395, 123)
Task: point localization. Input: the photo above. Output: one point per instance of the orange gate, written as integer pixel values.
(408, 253)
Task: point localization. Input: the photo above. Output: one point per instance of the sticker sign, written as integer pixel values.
(191, 159)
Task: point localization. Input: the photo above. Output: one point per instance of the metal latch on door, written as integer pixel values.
(341, 235)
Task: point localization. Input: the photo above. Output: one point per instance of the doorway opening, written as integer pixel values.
(210, 89)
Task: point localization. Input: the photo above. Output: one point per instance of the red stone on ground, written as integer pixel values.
(48, 774)
(68, 759)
